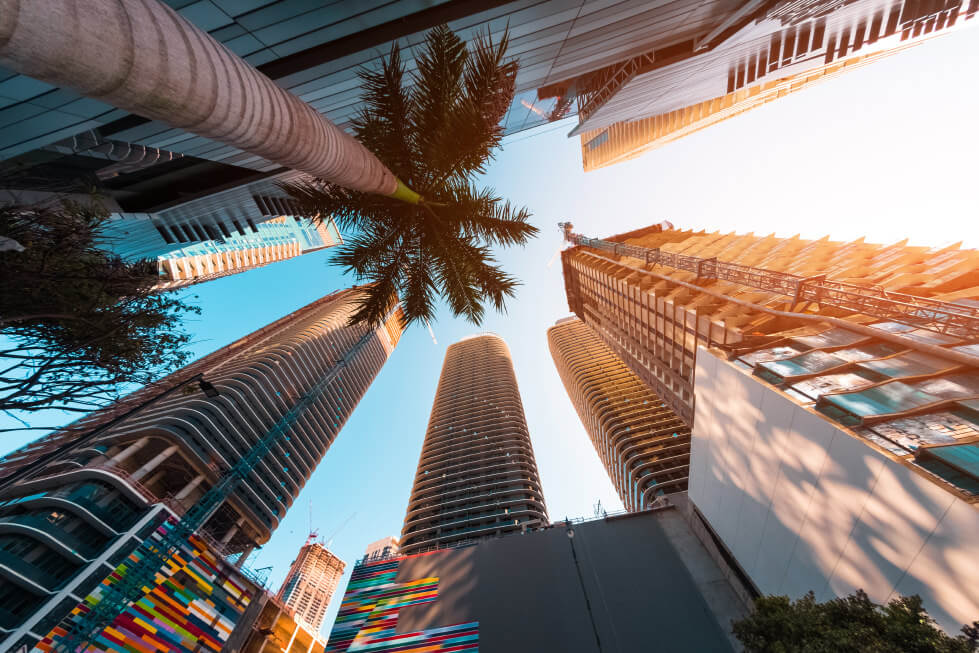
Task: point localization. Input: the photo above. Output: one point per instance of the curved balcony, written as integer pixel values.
(44, 580)
(59, 536)
(86, 497)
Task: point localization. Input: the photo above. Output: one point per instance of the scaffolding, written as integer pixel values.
(949, 318)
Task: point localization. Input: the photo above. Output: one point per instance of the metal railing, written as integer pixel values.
(921, 312)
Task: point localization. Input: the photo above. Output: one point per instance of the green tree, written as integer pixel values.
(77, 323)
(436, 132)
(851, 624)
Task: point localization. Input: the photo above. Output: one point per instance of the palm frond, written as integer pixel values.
(436, 135)
(483, 215)
(383, 124)
(438, 86)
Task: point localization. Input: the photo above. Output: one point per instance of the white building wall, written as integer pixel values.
(804, 505)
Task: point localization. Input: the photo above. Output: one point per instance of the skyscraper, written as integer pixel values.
(75, 518)
(656, 294)
(753, 54)
(310, 583)
(564, 48)
(643, 445)
(477, 476)
(831, 391)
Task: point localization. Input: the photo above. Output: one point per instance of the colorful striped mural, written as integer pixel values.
(368, 615)
(193, 607)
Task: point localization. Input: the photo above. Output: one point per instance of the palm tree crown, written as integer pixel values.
(436, 134)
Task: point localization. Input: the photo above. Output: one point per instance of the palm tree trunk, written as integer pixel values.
(141, 56)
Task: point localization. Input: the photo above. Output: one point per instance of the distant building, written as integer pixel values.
(477, 475)
(271, 626)
(575, 588)
(383, 548)
(65, 528)
(310, 583)
(643, 445)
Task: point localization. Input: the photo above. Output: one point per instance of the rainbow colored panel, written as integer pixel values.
(368, 616)
(194, 606)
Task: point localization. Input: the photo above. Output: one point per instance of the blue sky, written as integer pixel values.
(888, 152)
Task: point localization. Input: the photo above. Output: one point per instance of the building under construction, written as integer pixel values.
(643, 445)
(310, 583)
(833, 394)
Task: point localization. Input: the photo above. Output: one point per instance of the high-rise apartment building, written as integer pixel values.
(656, 294)
(831, 390)
(310, 583)
(66, 527)
(315, 52)
(753, 54)
(477, 475)
(643, 445)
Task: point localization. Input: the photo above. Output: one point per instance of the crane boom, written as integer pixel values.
(935, 315)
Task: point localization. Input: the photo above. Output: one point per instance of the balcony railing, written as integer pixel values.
(77, 545)
(44, 579)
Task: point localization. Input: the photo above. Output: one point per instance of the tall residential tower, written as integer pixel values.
(477, 476)
(832, 393)
(66, 527)
(643, 445)
(310, 583)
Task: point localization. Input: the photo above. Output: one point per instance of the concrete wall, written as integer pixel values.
(525, 592)
(804, 505)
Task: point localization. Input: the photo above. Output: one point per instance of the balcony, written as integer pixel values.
(32, 573)
(9, 620)
(71, 541)
(118, 518)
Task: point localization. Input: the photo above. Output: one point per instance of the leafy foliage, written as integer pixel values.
(78, 323)
(436, 134)
(851, 624)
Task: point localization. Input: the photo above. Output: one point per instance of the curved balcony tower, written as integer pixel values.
(643, 445)
(477, 476)
(63, 529)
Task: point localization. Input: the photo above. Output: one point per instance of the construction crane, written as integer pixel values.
(154, 555)
(943, 317)
(346, 521)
